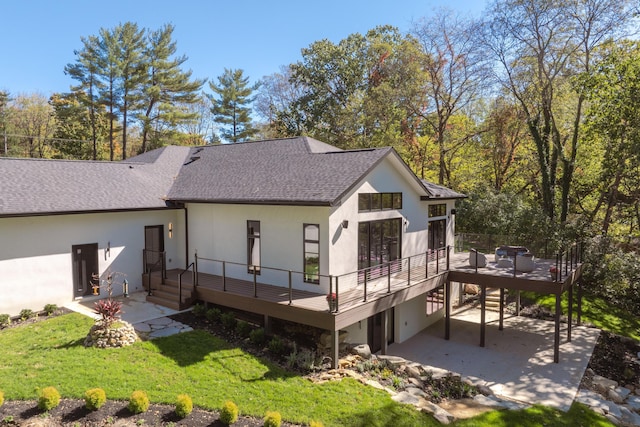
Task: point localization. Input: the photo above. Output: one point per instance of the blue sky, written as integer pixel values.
(37, 38)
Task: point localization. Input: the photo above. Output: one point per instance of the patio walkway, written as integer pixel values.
(517, 362)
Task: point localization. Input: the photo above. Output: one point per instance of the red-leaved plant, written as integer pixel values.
(108, 309)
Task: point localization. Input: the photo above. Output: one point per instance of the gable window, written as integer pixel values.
(311, 253)
(437, 210)
(253, 246)
(369, 202)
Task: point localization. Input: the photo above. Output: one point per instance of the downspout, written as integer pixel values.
(186, 236)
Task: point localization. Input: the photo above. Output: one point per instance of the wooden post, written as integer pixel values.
(501, 322)
(579, 317)
(556, 338)
(447, 309)
(335, 346)
(483, 307)
(569, 311)
(290, 289)
(385, 325)
(267, 324)
(224, 277)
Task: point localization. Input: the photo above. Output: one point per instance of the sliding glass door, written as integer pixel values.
(379, 242)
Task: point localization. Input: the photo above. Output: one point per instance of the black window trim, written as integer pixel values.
(304, 253)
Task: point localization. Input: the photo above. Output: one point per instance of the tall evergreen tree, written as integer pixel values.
(231, 106)
(132, 67)
(168, 89)
(108, 66)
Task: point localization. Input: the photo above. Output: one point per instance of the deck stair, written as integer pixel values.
(166, 294)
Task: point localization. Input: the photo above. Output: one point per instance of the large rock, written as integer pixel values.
(117, 334)
(362, 350)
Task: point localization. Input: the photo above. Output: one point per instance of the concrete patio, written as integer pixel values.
(517, 362)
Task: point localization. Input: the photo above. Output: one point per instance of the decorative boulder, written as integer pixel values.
(477, 259)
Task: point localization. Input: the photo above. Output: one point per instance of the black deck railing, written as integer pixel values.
(154, 261)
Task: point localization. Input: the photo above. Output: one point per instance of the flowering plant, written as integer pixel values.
(553, 270)
(331, 296)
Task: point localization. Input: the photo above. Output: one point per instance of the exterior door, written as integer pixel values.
(374, 330)
(85, 264)
(378, 244)
(154, 246)
(437, 234)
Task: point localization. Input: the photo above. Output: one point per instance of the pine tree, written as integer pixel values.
(231, 107)
(167, 88)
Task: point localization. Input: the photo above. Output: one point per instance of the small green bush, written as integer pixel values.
(184, 405)
(26, 313)
(276, 346)
(49, 309)
(138, 402)
(94, 398)
(272, 419)
(49, 398)
(199, 310)
(1, 397)
(257, 336)
(228, 320)
(243, 329)
(5, 320)
(316, 424)
(229, 413)
(213, 314)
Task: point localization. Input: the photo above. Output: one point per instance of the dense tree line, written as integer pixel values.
(532, 103)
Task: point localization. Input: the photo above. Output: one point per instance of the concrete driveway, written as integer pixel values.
(516, 363)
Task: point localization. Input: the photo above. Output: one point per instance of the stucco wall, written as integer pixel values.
(36, 260)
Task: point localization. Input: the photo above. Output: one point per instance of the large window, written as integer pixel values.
(437, 210)
(379, 243)
(311, 253)
(368, 202)
(253, 246)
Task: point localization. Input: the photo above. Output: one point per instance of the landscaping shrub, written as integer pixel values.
(26, 313)
(5, 320)
(49, 309)
(94, 398)
(257, 337)
(243, 329)
(184, 405)
(108, 309)
(229, 413)
(138, 402)
(228, 320)
(199, 310)
(213, 314)
(1, 397)
(49, 398)
(276, 346)
(272, 419)
(316, 424)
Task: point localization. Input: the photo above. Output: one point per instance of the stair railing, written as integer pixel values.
(193, 276)
(148, 270)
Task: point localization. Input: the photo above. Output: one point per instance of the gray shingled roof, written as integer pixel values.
(440, 192)
(32, 186)
(284, 171)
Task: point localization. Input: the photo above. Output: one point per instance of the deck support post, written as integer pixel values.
(556, 338)
(569, 312)
(501, 322)
(483, 314)
(335, 346)
(384, 337)
(518, 303)
(447, 309)
(267, 324)
(579, 317)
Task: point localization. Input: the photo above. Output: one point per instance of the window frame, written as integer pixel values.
(434, 211)
(306, 240)
(378, 202)
(252, 237)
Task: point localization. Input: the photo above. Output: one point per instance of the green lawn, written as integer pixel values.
(50, 353)
(596, 311)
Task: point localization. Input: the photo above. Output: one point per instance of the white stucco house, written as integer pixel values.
(295, 214)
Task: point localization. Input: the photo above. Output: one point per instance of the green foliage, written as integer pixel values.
(199, 310)
(231, 105)
(26, 313)
(5, 320)
(184, 405)
(1, 397)
(48, 399)
(276, 346)
(138, 402)
(229, 413)
(213, 314)
(316, 424)
(272, 419)
(95, 398)
(228, 320)
(257, 336)
(49, 309)
(243, 329)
